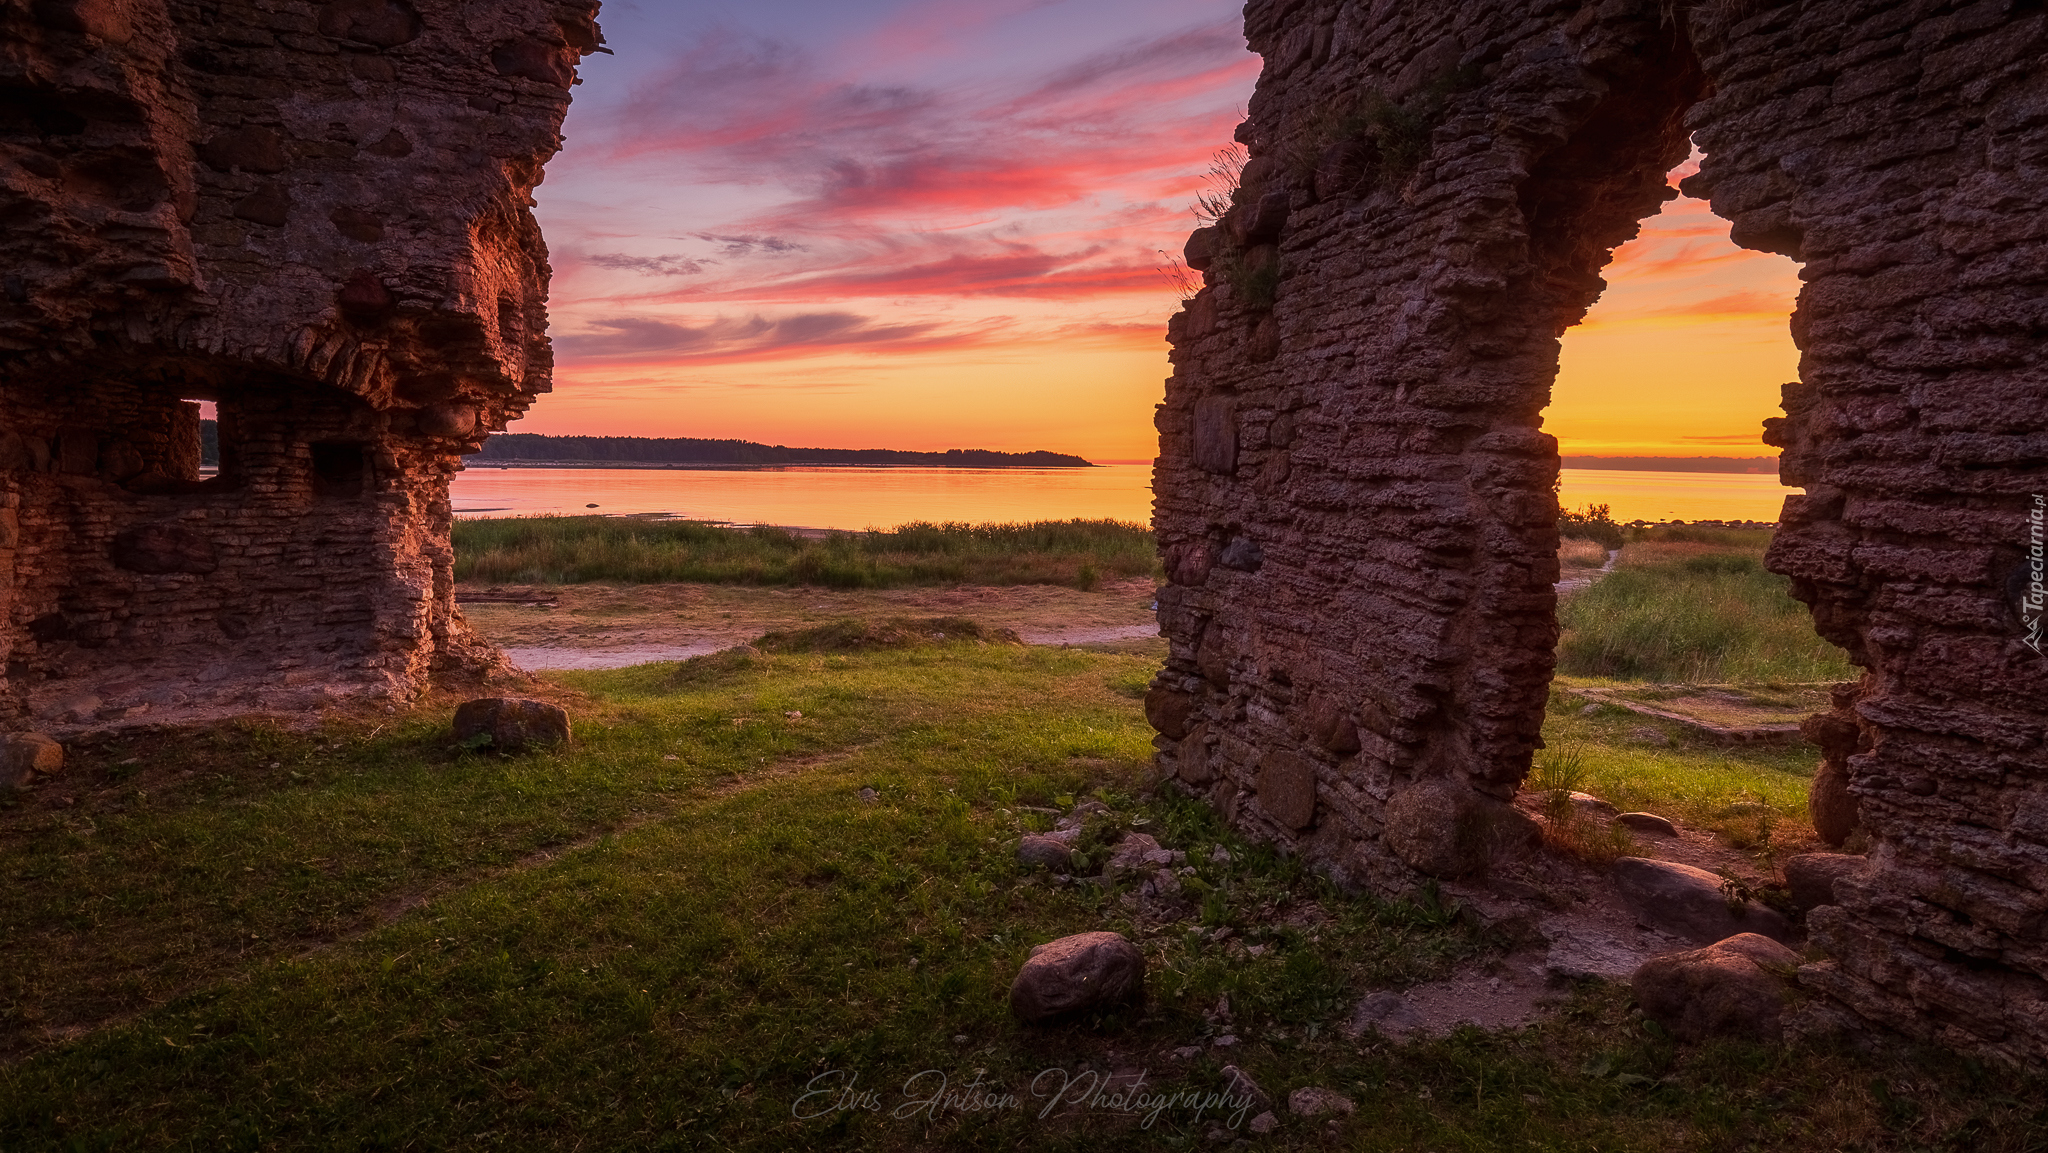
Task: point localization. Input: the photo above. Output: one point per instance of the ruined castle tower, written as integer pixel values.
(1354, 495)
(317, 216)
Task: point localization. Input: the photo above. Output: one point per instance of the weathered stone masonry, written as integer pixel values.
(317, 215)
(1354, 495)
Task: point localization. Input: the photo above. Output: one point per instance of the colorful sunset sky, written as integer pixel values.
(935, 224)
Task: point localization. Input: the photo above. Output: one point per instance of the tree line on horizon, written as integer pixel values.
(538, 447)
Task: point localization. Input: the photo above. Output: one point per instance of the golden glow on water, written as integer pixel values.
(844, 498)
(857, 498)
(1676, 495)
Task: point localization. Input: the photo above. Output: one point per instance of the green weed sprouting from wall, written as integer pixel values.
(1387, 139)
(1257, 282)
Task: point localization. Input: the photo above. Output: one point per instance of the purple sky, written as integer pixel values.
(936, 223)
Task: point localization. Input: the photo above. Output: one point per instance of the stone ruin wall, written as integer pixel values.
(1354, 497)
(318, 216)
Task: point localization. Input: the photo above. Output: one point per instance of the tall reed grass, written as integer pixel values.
(1694, 612)
(638, 550)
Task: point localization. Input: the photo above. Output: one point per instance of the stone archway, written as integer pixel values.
(1354, 501)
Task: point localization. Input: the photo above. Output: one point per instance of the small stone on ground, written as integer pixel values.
(1314, 1102)
(1649, 823)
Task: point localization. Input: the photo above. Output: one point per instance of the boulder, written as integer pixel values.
(511, 724)
(1287, 788)
(1812, 877)
(1041, 852)
(1691, 903)
(26, 758)
(1734, 988)
(1649, 823)
(1076, 974)
(1446, 829)
(1831, 805)
(448, 419)
(1168, 710)
(1314, 1102)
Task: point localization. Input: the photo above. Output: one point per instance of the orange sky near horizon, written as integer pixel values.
(898, 223)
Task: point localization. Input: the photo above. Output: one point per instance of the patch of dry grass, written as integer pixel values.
(1581, 554)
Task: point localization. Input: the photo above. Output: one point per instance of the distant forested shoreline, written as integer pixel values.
(1767, 464)
(641, 451)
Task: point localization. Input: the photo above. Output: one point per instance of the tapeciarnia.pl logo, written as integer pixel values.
(2034, 599)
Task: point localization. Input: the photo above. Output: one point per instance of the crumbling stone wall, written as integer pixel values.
(1354, 497)
(317, 216)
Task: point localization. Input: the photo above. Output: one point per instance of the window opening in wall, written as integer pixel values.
(338, 468)
(1658, 410)
(209, 435)
(1674, 370)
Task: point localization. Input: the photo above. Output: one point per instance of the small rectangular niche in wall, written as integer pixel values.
(154, 450)
(339, 467)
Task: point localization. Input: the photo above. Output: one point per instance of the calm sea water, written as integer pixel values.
(857, 498)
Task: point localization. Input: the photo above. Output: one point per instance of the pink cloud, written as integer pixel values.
(749, 110)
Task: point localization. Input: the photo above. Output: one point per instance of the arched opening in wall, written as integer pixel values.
(1669, 498)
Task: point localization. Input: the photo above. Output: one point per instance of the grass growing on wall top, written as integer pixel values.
(642, 550)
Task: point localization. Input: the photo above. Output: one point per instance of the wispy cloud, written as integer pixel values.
(649, 265)
(727, 339)
(911, 187)
(738, 246)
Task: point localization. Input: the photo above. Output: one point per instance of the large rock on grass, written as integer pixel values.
(1037, 851)
(1077, 974)
(1733, 988)
(511, 724)
(1691, 903)
(26, 758)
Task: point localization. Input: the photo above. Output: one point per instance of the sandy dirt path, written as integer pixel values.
(609, 626)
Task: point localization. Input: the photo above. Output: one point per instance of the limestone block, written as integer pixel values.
(1812, 877)
(163, 548)
(1216, 435)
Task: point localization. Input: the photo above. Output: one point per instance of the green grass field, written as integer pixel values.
(642, 550)
(1694, 606)
(364, 938)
